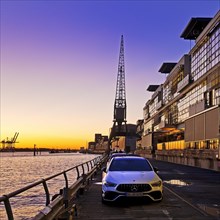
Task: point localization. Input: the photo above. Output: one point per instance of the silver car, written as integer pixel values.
(131, 176)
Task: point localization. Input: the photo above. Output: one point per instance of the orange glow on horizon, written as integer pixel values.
(51, 142)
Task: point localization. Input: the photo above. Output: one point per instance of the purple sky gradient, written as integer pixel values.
(59, 63)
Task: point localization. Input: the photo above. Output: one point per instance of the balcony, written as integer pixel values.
(159, 105)
(146, 116)
(165, 127)
(162, 124)
(183, 83)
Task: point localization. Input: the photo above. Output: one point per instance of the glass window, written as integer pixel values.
(129, 164)
(206, 56)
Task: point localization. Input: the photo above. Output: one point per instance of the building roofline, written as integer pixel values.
(194, 28)
(167, 67)
(152, 88)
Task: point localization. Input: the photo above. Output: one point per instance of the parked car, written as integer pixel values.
(130, 176)
(118, 154)
(115, 154)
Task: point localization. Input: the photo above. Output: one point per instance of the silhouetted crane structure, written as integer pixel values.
(119, 127)
(10, 143)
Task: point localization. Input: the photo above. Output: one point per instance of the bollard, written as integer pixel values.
(69, 215)
(73, 212)
(66, 196)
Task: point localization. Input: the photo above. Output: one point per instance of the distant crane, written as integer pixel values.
(119, 127)
(10, 143)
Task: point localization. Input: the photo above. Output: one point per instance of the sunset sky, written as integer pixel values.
(59, 63)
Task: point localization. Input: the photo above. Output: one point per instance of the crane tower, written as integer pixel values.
(120, 99)
(9, 144)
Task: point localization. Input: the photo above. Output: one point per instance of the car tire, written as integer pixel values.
(159, 200)
(103, 201)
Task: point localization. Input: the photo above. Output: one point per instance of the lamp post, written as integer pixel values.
(34, 149)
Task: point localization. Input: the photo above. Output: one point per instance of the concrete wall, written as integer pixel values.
(196, 158)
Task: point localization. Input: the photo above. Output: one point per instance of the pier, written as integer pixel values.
(189, 193)
(58, 205)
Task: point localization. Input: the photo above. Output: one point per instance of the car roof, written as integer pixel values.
(129, 157)
(117, 154)
(122, 155)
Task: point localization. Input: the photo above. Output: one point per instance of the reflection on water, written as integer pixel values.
(178, 182)
(22, 168)
(213, 210)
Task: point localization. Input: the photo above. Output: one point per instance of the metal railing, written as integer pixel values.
(56, 206)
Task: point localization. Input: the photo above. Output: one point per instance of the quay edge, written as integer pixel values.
(202, 158)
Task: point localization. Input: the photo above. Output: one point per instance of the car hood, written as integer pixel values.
(131, 177)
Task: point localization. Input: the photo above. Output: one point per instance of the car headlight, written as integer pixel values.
(109, 184)
(156, 184)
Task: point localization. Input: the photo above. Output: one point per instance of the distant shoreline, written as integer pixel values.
(39, 150)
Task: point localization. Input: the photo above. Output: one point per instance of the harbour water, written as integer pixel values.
(19, 169)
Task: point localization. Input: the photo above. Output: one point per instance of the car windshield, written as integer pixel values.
(130, 164)
(117, 155)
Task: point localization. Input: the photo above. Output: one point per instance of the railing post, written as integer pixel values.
(91, 164)
(95, 160)
(66, 179)
(83, 169)
(8, 208)
(77, 170)
(46, 192)
(87, 166)
(66, 197)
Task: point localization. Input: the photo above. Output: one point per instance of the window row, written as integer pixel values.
(206, 56)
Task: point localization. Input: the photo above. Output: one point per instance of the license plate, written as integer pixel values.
(137, 194)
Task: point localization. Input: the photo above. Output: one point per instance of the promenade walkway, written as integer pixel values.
(89, 206)
(177, 202)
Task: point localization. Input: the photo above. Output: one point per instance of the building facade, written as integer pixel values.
(100, 145)
(182, 119)
(125, 143)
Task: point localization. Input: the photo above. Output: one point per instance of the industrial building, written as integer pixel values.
(181, 121)
(100, 145)
(125, 143)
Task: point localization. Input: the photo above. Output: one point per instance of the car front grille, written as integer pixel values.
(134, 187)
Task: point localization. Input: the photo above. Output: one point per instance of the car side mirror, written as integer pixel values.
(155, 169)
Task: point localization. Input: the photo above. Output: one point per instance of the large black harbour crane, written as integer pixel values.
(119, 127)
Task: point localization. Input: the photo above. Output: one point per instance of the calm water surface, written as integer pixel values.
(22, 168)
